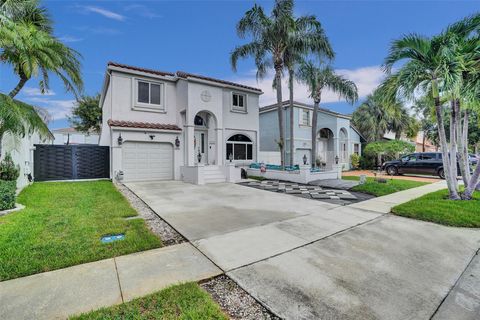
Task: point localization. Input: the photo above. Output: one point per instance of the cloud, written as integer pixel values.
(366, 79)
(29, 91)
(104, 12)
(57, 109)
(68, 38)
(142, 11)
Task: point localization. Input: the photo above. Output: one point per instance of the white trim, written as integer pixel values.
(144, 130)
(237, 109)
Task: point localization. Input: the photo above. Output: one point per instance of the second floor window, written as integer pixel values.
(305, 118)
(149, 94)
(239, 102)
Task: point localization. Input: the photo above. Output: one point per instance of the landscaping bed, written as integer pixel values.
(435, 207)
(381, 189)
(185, 301)
(62, 225)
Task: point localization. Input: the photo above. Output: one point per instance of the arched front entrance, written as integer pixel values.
(205, 138)
(343, 144)
(325, 148)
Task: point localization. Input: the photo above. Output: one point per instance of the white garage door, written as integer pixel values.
(147, 161)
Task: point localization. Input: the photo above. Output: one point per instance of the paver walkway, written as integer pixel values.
(335, 183)
(61, 293)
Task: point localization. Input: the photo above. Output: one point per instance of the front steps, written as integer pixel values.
(213, 174)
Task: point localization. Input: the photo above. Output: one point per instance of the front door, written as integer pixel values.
(201, 146)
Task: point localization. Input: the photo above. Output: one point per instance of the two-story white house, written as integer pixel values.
(177, 126)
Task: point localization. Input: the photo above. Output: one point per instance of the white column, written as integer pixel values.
(336, 149)
(189, 147)
(220, 145)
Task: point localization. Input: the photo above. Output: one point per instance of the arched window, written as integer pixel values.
(198, 121)
(240, 147)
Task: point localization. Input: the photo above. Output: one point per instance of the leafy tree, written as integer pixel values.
(317, 79)
(388, 148)
(87, 114)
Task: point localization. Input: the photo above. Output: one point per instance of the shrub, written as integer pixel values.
(355, 160)
(8, 170)
(7, 194)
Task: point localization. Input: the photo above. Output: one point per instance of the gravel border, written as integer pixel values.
(235, 301)
(156, 224)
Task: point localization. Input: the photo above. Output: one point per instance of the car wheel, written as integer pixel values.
(392, 171)
(441, 173)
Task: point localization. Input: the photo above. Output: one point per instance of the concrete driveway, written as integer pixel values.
(305, 259)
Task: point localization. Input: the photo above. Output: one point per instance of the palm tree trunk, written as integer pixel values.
(21, 83)
(316, 104)
(453, 194)
(423, 141)
(292, 140)
(462, 145)
(453, 144)
(281, 128)
(473, 183)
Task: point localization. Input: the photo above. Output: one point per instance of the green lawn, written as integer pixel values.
(186, 301)
(62, 225)
(381, 189)
(436, 207)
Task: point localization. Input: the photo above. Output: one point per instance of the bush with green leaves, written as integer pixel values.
(355, 160)
(7, 194)
(8, 170)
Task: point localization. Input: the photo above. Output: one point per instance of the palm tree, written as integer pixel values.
(402, 123)
(19, 119)
(310, 30)
(271, 36)
(33, 52)
(317, 79)
(27, 11)
(372, 118)
(434, 65)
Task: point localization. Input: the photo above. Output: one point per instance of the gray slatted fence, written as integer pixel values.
(70, 162)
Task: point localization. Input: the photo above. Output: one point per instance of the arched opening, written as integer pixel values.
(325, 148)
(204, 141)
(343, 145)
(239, 147)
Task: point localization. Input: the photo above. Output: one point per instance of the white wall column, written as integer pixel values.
(189, 145)
(336, 149)
(220, 145)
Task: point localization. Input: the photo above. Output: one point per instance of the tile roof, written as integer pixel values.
(142, 125)
(156, 72)
(184, 75)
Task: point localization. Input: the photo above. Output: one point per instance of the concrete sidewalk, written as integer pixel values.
(384, 204)
(65, 292)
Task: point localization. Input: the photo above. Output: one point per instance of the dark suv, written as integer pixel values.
(427, 163)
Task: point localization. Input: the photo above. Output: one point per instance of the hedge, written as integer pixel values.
(7, 194)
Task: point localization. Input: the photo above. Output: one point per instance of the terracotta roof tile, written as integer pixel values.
(182, 74)
(142, 125)
(157, 72)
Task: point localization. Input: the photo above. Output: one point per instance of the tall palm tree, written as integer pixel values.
(316, 43)
(271, 36)
(27, 11)
(434, 65)
(19, 119)
(317, 79)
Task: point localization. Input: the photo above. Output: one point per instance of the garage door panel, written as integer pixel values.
(147, 161)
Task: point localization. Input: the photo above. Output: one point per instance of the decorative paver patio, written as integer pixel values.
(314, 192)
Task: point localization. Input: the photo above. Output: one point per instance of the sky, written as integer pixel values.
(198, 37)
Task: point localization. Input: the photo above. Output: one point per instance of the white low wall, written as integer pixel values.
(270, 157)
(193, 174)
(304, 175)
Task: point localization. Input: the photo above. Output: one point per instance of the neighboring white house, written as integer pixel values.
(336, 137)
(181, 126)
(72, 136)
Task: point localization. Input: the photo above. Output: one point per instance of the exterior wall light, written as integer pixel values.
(177, 142)
(120, 139)
(336, 159)
(305, 159)
(199, 156)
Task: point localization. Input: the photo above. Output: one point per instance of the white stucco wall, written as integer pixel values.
(21, 150)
